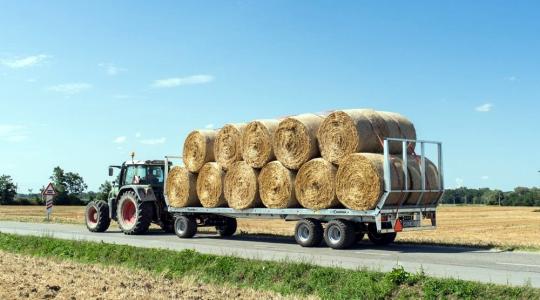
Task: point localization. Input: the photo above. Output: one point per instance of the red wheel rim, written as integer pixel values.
(129, 211)
(92, 215)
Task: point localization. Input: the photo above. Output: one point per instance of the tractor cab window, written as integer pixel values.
(155, 175)
(135, 175)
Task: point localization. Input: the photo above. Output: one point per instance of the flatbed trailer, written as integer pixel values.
(343, 226)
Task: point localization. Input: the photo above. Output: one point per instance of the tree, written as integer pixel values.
(8, 190)
(104, 190)
(69, 187)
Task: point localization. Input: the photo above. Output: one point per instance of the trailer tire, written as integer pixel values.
(185, 227)
(228, 228)
(96, 216)
(381, 239)
(308, 233)
(134, 217)
(339, 234)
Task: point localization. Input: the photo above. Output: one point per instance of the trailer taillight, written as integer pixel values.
(398, 227)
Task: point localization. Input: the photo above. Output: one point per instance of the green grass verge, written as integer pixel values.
(282, 277)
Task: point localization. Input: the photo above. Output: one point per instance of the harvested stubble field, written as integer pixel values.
(24, 276)
(491, 226)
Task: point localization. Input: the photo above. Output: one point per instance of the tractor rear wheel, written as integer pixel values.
(96, 216)
(134, 216)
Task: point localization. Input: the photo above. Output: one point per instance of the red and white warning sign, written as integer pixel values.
(49, 194)
(49, 190)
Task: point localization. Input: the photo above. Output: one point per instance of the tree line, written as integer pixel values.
(71, 190)
(69, 186)
(520, 196)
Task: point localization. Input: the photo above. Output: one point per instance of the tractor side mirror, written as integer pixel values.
(111, 171)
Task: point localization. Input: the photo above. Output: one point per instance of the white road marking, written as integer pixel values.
(521, 265)
(372, 253)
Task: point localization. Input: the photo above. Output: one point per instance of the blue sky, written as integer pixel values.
(84, 83)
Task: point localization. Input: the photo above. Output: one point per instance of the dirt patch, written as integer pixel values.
(26, 277)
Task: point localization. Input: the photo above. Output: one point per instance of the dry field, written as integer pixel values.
(506, 227)
(27, 277)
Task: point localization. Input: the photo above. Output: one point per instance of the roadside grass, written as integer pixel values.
(286, 278)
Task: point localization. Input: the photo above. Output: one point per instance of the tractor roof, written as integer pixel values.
(144, 162)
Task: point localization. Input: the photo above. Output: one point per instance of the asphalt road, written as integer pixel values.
(515, 268)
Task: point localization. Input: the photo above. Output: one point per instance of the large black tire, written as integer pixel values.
(134, 216)
(228, 227)
(96, 216)
(381, 239)
(308, 233)
(185, 227)
(339, 234)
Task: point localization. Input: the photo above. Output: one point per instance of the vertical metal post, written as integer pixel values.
(440, 161)
(387, 175)
(405, 164)
(423, 164)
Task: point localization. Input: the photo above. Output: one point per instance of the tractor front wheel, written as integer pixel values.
(96, 216)
(134, 216)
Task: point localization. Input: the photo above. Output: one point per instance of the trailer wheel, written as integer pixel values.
(96, 216)
(185, 227)
(228, 227)
(339, 234)
(308, 233)
(134, 217)
(381, 239)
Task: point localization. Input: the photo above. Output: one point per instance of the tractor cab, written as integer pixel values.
(135, 201)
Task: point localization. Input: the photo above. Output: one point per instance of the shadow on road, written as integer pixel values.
(363, 245)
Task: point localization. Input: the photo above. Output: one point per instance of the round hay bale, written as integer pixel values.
(295, 140)
(181, 190)
(360, 180)
(393, 132)
(276, 186)
(314, 185)
(241, 187)
(432, 181)
(228, 145)
(347, 131)
(198, 149)
(210, 185)
(406, 127)
(257, 140)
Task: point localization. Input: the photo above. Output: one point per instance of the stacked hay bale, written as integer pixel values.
(306, 160)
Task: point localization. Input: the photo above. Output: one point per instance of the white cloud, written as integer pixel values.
(111, 69)
(70, 88)
(459, 182)
(13, 133)
(209, 126)
(154, 141)
(138, 135)
(119, 140)
(24, 62)
(485, 177)
(486, 107)
(178, 81)
(512, 78)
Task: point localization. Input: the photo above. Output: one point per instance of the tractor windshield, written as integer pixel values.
(142, 174)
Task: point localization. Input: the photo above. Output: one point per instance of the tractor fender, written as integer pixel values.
(145, 193)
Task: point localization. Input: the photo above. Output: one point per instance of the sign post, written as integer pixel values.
(48, 193)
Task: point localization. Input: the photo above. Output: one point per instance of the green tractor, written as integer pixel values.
(136, 200)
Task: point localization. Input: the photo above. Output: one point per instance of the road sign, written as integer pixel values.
(49, 194)
(49, 190)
